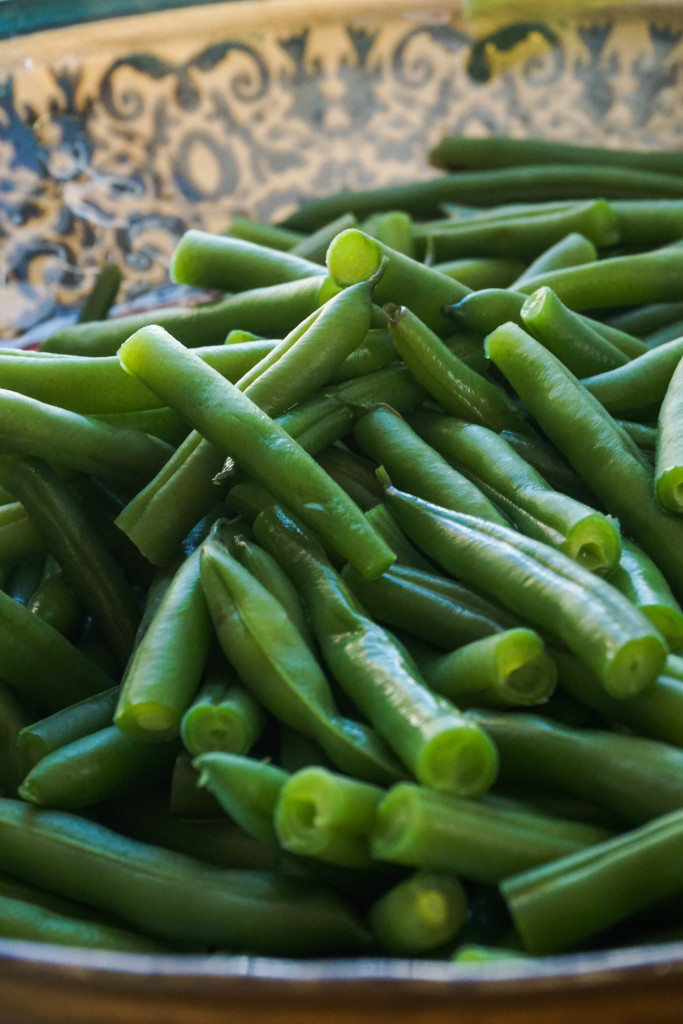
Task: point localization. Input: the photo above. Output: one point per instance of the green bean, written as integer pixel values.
(393, 228)
(435, 608)
(412, 463)
(669, 460)
(642, 435)
(560, 905)
(620, 281)
(29, 645)
(234, 265)
(461, 391)
(664, 334)
(420, 913)
(593, 444)
(170, 895)
(277, 666)
(118, 455)
(638, 578)
(649, 222)
(405, 551)
(459, 151)
(486, 188)
(634, 778)
(354, 473)
(19, 537)
(482, 272)
(264, 234)
(314, 246)
(374, 352)
(645, 320)
(588, 537)
(40, 738)
(425, 731)
(354, 256)
(641, 384)
(258, 444)
(578, 346)
(95, 768)
(91, 569)
(656, 713)
(510, 668)
(328, 816)
(92, 385)
(24, 579)
(217, 840)
(102, 294)
(266, 311)
(24, 921)
(544, 586)
(526, 236)
(223, 716)
(483, 840)
(248, 790)
(164, 671)
(547, 461)
(573, 250)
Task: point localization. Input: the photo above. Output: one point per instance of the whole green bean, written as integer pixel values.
(277, 666)
(231, 264)
(165, 669)
(71, 723)
(486, 188)
(459, 151)
(170, 895)
(544, 586)
(593, 443)
(95, 768)
(412, 463)
(435, 608)
(585, 535)
(266, 311)
(462, 391)
(354, 256)
(102, 294)
(228, 419)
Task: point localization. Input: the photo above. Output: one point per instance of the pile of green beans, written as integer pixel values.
(341, 615)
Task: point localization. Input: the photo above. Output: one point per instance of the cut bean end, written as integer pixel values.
(460, 760)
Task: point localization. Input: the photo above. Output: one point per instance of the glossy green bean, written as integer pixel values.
(544, 586)
(413, 464)
(259, 445)
(639, 385)
(638, 578)
(593, 443)
(230, 264)
(425, 731)
(247, 790)
(277, 666)
(71, 723)
(585, 535)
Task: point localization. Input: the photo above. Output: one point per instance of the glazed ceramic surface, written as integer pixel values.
(118, 134)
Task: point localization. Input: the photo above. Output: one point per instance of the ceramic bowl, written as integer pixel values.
(119, 132)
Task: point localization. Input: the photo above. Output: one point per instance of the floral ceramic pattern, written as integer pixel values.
(115, 158)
